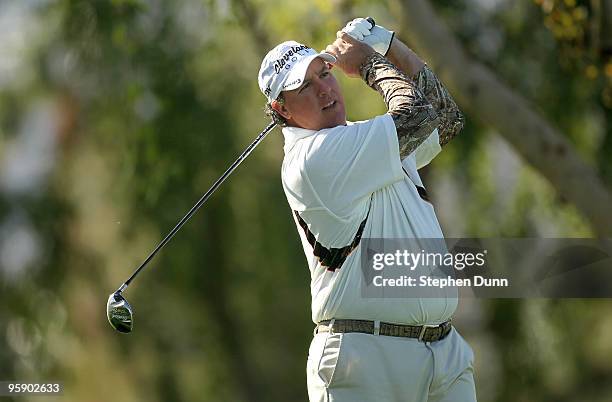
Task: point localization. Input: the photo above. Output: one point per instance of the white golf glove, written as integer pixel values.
(367, 31)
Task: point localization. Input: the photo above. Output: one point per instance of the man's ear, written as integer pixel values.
(281, 109)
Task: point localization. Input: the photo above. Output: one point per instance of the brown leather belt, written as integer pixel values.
(424, 333)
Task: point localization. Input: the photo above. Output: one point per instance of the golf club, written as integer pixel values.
(119, 312)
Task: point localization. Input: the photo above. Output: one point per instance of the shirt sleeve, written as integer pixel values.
(345, 164)
(428, 150)
(413, 115)
(451, 119)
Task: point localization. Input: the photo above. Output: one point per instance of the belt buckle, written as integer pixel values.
(329, 325)
(424, 328)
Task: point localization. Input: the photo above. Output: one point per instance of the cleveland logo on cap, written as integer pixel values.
(280, 63)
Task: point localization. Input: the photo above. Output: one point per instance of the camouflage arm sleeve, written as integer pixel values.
(451, 119)
(415, 118)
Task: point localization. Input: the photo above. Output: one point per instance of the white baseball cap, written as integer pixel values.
(284, 67)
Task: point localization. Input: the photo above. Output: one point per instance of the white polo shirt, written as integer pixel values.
(332, 178)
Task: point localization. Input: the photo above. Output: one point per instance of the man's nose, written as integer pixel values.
(324, 89)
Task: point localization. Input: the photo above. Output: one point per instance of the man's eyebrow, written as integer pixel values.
(307, 80)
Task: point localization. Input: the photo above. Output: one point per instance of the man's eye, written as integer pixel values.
(324, 74)
(306, 85)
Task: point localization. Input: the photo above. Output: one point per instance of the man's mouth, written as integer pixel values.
(329, 105)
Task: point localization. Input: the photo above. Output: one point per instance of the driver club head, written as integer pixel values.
(119, 313)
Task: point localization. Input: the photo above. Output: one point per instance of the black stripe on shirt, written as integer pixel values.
(331, 258)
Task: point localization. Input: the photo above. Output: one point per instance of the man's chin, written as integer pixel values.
(338, 123)
(338, 120)
(330, 122)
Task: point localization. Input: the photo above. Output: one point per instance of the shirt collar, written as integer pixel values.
(293, 134)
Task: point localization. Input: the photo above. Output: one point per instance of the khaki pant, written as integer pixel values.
(355, 367)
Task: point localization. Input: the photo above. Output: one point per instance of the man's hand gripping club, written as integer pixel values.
(350, 53)
(366, 30)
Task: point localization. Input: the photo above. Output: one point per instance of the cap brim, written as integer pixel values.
(295, 78)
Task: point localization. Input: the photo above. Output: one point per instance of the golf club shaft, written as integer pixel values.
(202, 200)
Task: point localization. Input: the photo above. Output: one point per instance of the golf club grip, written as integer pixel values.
(201, 201)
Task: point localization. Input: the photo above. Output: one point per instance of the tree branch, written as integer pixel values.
(483, 95)
(249, 19)
(606, 29)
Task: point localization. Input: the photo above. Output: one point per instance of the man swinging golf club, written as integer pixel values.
(345, 181)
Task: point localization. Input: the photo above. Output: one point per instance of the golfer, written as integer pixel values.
(348, 180)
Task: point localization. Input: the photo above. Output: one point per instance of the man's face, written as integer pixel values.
(317, 104)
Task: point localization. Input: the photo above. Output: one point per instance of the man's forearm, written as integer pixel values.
(451, 119)
(404, 58)
(414, 117)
